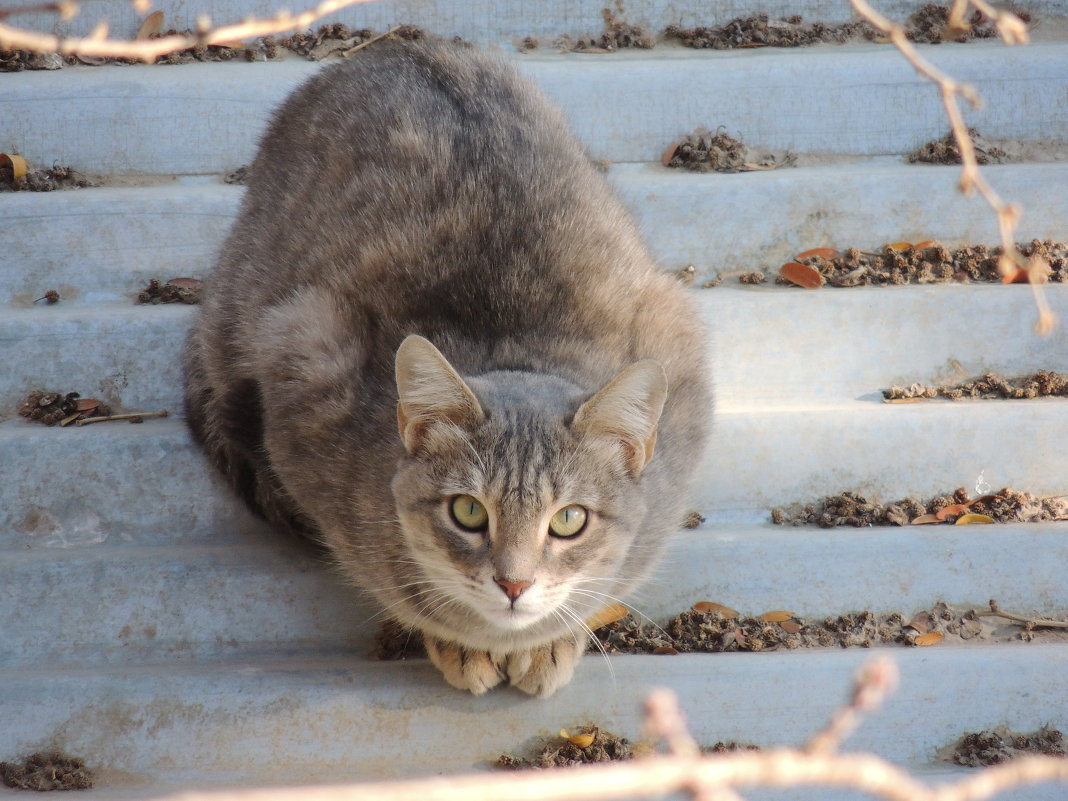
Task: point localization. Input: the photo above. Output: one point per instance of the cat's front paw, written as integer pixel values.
(465, 668)
(544, 670)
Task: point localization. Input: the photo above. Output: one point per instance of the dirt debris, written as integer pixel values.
(562, 752)
(853, 509)
(51, 297)
(993, 746)
(617, 35)
(756, 277)
(926, 25)
(711, 630)
(705, 151)
(762, 31)
(238, 176)
(45, 180)
(50, 408)
(176, 290)
(19, 60)
(930, 262)
(47, 771)
(1041, 384)
(946, 151)
(930, 25)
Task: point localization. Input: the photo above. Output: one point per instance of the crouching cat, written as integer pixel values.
(435, 343)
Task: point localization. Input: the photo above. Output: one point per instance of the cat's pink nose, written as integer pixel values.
(513, 589)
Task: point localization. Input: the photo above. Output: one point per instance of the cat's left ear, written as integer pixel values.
(627, 410)
(430, 391)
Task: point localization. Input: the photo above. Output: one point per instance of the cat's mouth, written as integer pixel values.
(513, 618)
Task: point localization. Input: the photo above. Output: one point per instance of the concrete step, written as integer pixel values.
(859, 100)
(771, 347)
(133, 481)
(497, 22)
(104, 244)
(298, 721)
(267, 596)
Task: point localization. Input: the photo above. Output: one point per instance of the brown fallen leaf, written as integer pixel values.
(669, 154)
(823, 253)
(584, 740)
(925, 520)
(777, 616)
(709, 606)
(930, 638)
(922, 623)
(802, 275)
(1018, 276)
(790, 626)
(186, 283)
(927, 243)
(898, 247)
(665, 650)
(984, 499)
(609, 614)
(17, 164)
(955, 509)
(972, 518)
(152, 25)
(87, 404)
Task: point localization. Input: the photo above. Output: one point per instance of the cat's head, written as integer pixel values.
(520, 495)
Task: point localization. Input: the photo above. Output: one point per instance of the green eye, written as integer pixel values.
(568, 522)
(469, 513)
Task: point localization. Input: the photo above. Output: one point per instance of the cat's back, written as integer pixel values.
(428, 174)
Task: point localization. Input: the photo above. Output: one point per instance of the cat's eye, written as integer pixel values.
(568, 522)
(469, 513)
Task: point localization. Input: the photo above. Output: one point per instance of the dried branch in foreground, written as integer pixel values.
(705, 778)
(97, 44)
(1012, 31)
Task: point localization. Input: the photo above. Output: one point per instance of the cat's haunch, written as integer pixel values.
(485, 399)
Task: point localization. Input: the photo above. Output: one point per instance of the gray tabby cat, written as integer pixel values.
(495, 488)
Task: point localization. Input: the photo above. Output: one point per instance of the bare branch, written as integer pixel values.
(876, 681)
(97, 44)
(1013, 31)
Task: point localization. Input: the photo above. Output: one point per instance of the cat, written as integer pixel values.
(435, 343)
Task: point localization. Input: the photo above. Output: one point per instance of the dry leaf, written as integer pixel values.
(984, 499)
(777, 616)
(70, 418)
(790, 626)
(922, 623)
(87, 404)
(1018, 276)
(969, 519)
(898, 247)
(581, 740)
(928, 639)
(153, 24)
(903, 400)
(669, 154)
(802, 275)
(927, 243)
(186, 283)
(924, 520)
(823, 253)
(665, 649)
(609, 614)
(955, 509)
(709, 606)
(19, 167)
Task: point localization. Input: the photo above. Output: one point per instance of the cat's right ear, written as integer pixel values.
(430, 392)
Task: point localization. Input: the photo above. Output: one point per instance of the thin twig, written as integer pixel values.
(1028, 622)
(96, 44)
(138, 416)
(876, 681)
(1012, 31)
(372, 40)
(658, 776)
